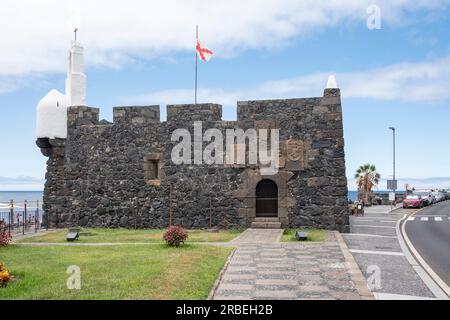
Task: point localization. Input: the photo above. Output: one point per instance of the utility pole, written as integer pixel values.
(393, 162)
(170, 204)
(196, 64)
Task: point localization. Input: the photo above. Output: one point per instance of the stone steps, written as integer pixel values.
(267, 219)
(266, 223)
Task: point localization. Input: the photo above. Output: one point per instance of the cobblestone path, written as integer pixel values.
(290, 270)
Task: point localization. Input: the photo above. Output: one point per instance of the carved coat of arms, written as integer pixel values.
(295, 150)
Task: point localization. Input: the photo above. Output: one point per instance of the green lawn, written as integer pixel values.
(314, 235)
(126, 236)
(118, 272)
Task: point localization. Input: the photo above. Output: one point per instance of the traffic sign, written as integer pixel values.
(391, 196)
(392, 185)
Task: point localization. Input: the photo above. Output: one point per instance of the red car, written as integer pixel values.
(413, 201)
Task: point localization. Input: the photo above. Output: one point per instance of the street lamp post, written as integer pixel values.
(393, 144)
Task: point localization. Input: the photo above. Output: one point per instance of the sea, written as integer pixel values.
(353, 195)
(21, 196)
(34, 204)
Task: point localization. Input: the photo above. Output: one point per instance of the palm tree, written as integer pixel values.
(367, 177)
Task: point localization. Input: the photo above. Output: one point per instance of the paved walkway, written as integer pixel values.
(374, 244)
(274, 270)
(259, 236)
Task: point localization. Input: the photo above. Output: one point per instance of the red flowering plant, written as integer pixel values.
(5, 276)
(5, 235)
(175, 236)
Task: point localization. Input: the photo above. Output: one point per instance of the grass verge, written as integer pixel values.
(314, 235)
(120, 272)
(97, 235)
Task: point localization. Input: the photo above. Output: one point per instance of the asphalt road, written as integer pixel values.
(429, 232)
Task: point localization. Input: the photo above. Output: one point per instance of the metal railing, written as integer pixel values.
(21, 218)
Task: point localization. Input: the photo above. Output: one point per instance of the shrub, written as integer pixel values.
(175, 236)
(5, 236)
(5, 276)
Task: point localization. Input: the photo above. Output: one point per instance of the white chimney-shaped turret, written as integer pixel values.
(76, 79)
(332, 83)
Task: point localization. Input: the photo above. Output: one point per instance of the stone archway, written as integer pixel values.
(247, 194)
(266, 199)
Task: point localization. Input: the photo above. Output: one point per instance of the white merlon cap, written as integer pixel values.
(332, 83)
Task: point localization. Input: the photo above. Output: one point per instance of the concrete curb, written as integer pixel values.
(237, 237)
(401, 207)
(219, 278)
(436, 285)
(355, 273)
(280, 237)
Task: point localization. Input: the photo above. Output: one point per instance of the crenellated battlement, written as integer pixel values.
(194, 112)
(137, 115)
(251, 110)
(82, 116)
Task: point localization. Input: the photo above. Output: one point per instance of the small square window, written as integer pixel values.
(152, 173)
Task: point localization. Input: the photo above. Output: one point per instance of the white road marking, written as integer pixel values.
(411, 218)
(388, 253)
(368, 235)
(393, 296)
(424, 219)
(374, 218)
(437, 218)
(432, 215)
(371, 226)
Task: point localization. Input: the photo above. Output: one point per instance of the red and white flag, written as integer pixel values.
(204, 53)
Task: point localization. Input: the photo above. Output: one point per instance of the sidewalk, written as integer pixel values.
(374, 244)
(275, 270)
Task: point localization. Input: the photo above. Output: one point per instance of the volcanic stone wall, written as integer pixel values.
(121, 174)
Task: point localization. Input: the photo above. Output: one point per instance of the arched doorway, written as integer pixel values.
(266, 199)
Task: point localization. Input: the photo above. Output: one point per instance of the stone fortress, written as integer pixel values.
(121, 174)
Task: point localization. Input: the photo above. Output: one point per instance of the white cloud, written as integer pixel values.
(7, 84)
(420, 81)
(35, 34)
(21, 183)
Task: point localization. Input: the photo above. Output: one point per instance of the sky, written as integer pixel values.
(142, 53)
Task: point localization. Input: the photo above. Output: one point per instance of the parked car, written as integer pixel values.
(439, 196)
(413, 201)
(446, 194)
(427, 197)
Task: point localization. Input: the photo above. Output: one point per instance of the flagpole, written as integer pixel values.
(196, 64)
